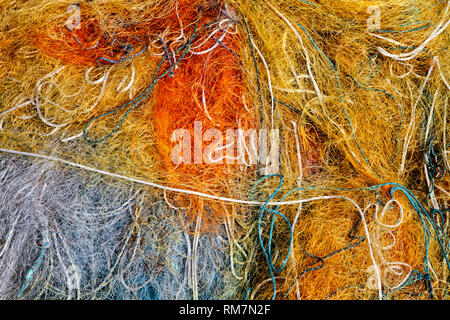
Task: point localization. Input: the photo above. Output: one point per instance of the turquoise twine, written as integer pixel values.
(351, 235)
(147, 91)
(435, 166)
(414, 22)
(414, 277)
(422, 212)
(258, 82)
(404, 31)
(373, 89)
(364, 63)
(336, 74)
(289, 107)
(30, 273)
(390, 96)
(340, 92)
(387, 94)
(418, 207)
(436, 169)
(166, 50)
(34, 268)
(307, 2)
(93, 47)
(127, 57)
(268, 252)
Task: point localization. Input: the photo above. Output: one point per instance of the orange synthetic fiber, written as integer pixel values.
(111, 37)
(79, 47)
(207, 88)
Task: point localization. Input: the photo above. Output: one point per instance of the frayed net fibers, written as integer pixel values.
(102, 101)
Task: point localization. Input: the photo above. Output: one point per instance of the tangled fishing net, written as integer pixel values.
(224, 149)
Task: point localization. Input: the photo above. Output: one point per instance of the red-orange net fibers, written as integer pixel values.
(206, 89)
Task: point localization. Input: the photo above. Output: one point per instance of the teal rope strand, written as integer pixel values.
(147, 91)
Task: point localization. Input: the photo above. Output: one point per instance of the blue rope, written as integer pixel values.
(268, 251)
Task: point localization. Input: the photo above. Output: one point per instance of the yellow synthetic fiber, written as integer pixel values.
(350, 116)
(380, 146)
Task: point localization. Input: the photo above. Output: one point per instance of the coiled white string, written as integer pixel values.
(217, 198)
